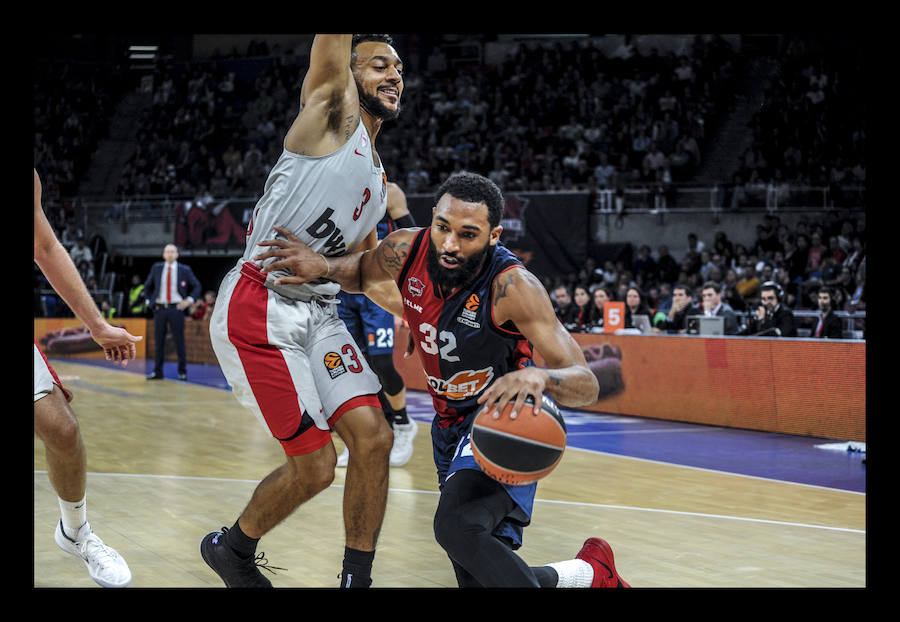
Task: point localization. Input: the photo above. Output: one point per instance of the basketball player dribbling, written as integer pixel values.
(55, 423)
(475, 314)
(283, 348)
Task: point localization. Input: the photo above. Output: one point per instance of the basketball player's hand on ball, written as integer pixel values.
(292, 255)
(515, 387)
(117, 343)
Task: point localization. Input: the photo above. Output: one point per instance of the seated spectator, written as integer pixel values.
(682, 306)
(636, 304)
(748, 285)
(202, 309)
(599, 297)
(829, 326)
(80, 252)
(565, 308)
(714, 307)
(772, 318)
(582, 309)
(107, 310)
(730, 293)
(664, 298)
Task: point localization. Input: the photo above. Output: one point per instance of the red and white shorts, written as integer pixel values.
(45, 377)
(292, 363)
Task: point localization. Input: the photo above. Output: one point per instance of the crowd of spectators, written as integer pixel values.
(811, 130)
(564, 116)
(560, 116)
(73, 103)
(556, 117)
(828, 252)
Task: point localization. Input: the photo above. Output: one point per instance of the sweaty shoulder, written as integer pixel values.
(519, 296)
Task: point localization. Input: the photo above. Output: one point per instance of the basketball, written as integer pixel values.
(522, 450)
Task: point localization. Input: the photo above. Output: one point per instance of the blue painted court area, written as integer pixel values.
(804, 460)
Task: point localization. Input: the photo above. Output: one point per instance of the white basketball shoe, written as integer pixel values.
(402, 451)
(105, 566)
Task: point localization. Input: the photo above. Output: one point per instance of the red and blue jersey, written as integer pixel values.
(461, 348)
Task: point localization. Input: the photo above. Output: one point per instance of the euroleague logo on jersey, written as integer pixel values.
(334, 364)
(463, 384)
(468, 315)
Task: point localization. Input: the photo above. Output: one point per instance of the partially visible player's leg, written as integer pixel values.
(56, 425)
(369, 439)
(283, 490)
(348, 389)
(254, 332)
(470, 508)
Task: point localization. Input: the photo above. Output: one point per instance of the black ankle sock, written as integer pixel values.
(399, 416)
(357, 569)
(241, 543)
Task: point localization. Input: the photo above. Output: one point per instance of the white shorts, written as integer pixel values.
(45, 377)
(292, 363)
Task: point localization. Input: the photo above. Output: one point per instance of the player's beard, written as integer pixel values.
(462, 275)
(375, 107)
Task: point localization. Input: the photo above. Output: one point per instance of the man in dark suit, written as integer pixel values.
(829, 325)
(170, 289)
(682, 306)
(773, 319)
(712, 305)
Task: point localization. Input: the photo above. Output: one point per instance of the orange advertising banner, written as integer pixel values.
(791, 386)
(69, 337)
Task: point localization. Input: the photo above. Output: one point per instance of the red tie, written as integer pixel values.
(819, 327)
(169, 285)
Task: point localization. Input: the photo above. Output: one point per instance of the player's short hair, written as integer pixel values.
(474, 188)
(357, 39)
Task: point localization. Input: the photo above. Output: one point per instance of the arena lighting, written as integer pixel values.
(142, 56)
(142, 52)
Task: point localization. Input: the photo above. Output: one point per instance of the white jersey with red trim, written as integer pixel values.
(331, 203)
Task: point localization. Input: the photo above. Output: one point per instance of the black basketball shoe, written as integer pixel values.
(235, 571)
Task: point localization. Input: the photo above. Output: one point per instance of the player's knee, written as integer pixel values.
(60, 432)
(457, 529)
(314, 475)
(380, 441)
(371, 437)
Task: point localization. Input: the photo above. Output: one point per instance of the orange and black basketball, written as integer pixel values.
(521, 450)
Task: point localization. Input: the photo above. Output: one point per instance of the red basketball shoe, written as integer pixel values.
(598, 553)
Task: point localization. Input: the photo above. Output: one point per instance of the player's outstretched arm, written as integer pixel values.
(329, 99)
(56, 264)
(371, 272)
(518, 296)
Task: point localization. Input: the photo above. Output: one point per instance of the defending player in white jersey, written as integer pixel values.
(284, 350)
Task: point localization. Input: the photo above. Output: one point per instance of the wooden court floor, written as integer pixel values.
(169, 462)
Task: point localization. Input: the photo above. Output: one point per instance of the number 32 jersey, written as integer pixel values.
(461, 348)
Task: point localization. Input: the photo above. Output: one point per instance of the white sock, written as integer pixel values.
(573, 573)
(74, 515)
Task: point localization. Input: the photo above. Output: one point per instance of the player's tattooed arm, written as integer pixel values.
(520, 298)
(393, 255)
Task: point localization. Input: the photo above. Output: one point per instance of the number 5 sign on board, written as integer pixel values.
(613, 316)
